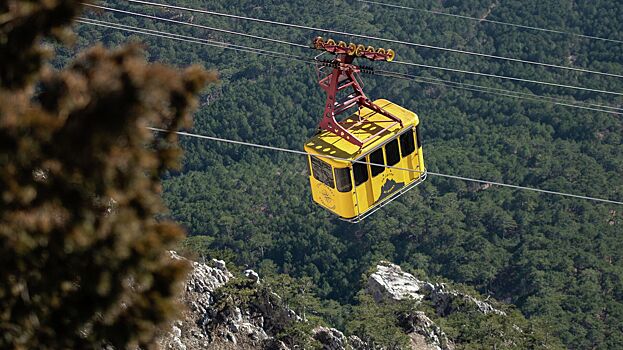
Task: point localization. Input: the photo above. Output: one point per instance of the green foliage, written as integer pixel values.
(83, 261)
(556, 259)
(473, 330)
(237, 292)
(296, 294)
(297, 335)
(377, 323)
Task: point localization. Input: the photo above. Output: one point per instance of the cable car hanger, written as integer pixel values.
(344, 75)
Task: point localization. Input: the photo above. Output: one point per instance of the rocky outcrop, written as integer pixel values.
(202, 325)
(424, 333)
(207, 324)
(389, 281)
(332, 339)
(220, 318)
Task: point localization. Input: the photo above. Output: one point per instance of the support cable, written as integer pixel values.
(137, 14)
(509, 78)
(396, 62)
(502, 92)
(463, 178)
(190, 39)
(298, 26)
(434, 81)
(248, 144)
(522, 26)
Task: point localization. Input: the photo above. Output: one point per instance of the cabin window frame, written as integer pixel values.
(412, 143)
(343, 182)
(396, 153)
(365, 171)
(373, 167)
(418, 137)
(321, 175)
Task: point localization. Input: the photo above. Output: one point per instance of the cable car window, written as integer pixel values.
(376, 157)
(406, 143)
(391, 152)
(417, 134)
(322, 171)
(342, 179)
(360, 172)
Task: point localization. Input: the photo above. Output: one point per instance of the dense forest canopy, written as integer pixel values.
(556, 258)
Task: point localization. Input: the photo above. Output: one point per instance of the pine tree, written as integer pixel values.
(83, 259)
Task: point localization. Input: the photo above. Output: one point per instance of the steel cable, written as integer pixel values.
(394, 62)
(522, 26)
(286, 150)
(472, 87)
(298, 26)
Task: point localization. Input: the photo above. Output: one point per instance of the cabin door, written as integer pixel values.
(376, 173)
(363, 188)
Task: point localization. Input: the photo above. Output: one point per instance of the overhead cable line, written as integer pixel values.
(196, 25)
(510, 78)
(501, 92)
(396, 62)
(190, 39)
(266, 52)
(298, 26)
(434, 81)
(286, 150)
(491, 21)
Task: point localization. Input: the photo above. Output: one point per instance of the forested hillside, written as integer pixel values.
(557, 259)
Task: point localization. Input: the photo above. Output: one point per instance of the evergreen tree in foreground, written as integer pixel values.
(83, 262)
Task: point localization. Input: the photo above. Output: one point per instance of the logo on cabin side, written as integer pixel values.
(390, 186)
(325, 196)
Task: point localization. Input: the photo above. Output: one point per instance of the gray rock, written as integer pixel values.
(219, 264)
(273, 344)
(330, 338)
(252, 275)
(173, 339)
(389, 281)
(205, 326)
(231, 338)
(424, 333)
(176, 332)
(356, 343)
(176, 344)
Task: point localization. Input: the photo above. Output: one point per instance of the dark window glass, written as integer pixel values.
(418, 136)
(391, 152)
(322, 171)
(376, 157)
(342, 179)
(407, 144)
(360, 172)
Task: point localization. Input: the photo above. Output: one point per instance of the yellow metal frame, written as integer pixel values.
(377, 191)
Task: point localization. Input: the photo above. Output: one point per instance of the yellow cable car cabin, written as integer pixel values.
(354, 190)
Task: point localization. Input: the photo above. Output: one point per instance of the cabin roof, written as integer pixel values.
(329, 144)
